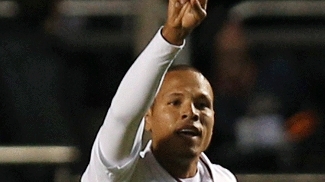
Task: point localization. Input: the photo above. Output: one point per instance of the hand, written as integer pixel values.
(183, 16)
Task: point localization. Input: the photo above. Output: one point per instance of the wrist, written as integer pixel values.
(175, 36)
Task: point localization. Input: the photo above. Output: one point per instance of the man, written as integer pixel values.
(179, 116)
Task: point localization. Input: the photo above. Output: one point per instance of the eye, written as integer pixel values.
(202, 105)
(176, 102)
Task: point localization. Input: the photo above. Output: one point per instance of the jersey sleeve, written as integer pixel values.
(118, 141)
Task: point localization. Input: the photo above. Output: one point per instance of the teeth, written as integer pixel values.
(188, 132)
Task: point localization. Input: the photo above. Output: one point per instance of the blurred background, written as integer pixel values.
(61, 62)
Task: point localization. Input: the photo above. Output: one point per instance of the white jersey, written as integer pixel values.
(116, 154)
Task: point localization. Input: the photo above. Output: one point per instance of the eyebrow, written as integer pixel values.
(174, 94)
(206, 95)
(200, 96)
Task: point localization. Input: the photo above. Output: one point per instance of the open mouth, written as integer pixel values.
(189, 132)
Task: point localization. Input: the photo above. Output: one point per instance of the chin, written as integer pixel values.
(180, 148)
(190, 152)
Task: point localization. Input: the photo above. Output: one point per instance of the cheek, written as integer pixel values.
(164, 121)
(208, 119)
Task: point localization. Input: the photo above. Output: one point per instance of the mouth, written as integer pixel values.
(189, 132)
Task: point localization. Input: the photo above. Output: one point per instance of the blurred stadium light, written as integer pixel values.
(248, 9)
(277, 23)
(281, 177)
(59, 156)
(80, 7)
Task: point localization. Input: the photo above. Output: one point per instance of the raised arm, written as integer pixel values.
(117, 140)
(183, 17)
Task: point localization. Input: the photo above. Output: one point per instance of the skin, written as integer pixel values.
(182, 17)
(185, 100)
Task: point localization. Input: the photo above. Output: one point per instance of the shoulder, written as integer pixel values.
(222, 173)
(219, 173)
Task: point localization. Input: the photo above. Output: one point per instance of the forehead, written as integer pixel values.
(186, 80)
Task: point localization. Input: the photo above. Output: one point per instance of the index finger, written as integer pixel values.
(204, 3)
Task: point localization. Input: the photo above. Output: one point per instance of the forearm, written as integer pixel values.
(133, 98)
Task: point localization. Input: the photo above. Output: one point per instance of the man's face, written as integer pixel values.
(182, 116)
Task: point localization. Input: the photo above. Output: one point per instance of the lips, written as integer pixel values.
(189, 131)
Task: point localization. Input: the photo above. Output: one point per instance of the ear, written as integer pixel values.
(148, 120)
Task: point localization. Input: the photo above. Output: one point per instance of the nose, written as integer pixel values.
(190, 112)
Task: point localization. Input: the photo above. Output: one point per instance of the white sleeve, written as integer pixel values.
(118, 141)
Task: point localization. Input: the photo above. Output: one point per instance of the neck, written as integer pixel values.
(178, 166)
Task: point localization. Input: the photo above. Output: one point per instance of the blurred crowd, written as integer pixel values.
(268, 98)
(269, 102)
(53, 92)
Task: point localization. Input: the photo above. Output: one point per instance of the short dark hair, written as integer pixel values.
(186, 67)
